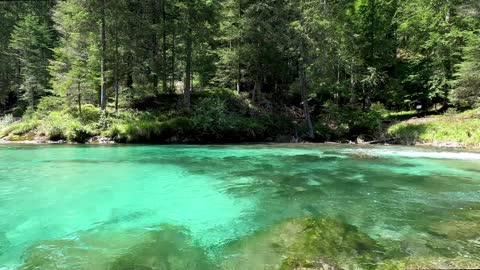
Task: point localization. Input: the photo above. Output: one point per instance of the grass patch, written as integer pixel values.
(463, 128)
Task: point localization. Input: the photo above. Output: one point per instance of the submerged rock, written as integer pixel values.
(310, 243)
(92, 250)
(168, 249)
(457, 229)
(4, 243)
(417, 263)
(162, 248)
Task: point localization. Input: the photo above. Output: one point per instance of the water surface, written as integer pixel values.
(99, 201)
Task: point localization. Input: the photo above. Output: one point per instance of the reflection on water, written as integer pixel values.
(195, 207)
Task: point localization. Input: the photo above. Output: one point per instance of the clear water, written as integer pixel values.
(105, 199)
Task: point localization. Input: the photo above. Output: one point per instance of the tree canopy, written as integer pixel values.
(315, 56)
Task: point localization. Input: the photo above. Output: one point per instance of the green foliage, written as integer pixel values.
(210, 115)
(173, 130)
(49, 104)
(55, 125)
(90, 114)
(19, 128)
(273, 60)
(345, 123)
(467, 86)
(457, 128)
(31, 41)
(6, 120)
(77, 132)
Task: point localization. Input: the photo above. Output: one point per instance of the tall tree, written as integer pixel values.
(31, 41)
(76, 66)
(103, 40)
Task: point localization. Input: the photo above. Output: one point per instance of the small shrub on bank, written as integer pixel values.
(55, 126)
(153, 132)
(210, 115)
(90, 113)
(78, 133)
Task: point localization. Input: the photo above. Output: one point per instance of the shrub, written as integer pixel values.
(210, 115)
(55, 125)
(78, 133)
(174, 129)
(117, 132)
(6, 120)
(338, 123)
(90, 114)
(49, 104)
(103, 121)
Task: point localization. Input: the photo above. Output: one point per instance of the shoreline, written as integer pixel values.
(105, 141)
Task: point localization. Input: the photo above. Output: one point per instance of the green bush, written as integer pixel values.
(342, 123)
(90, 114)
(55, 125)
(49, 104)
(6, 120)
(209, 116)
(151, 131)
(78, 133)
(117, 132)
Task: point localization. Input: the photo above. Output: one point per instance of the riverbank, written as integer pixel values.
(223, 117)
(451, 130)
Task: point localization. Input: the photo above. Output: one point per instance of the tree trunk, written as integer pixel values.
(239, 41)
(304, 94)
(172, 89)
(154, 49)
(79, 98)
(103, 93)
(256, 89)
(188, 69)
(303, 83)
(372, 31)
(164, 47)
(239, 74)
(33, 98)
(115, 73)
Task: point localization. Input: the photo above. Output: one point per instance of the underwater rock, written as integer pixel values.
(310, 243)
(457, 229)
(4, 243)
(363, 155)
(296, 264)
(159, 248)
(168, 249)
(92, 250)
(417, 263)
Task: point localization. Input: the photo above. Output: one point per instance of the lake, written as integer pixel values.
(236, 207)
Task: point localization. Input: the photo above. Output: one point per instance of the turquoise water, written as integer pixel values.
(84, 206)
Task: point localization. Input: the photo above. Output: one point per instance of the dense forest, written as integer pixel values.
(231, 70)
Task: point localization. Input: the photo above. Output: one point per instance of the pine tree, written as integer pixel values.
(31, 41)
(467, 90)
(76, 65)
